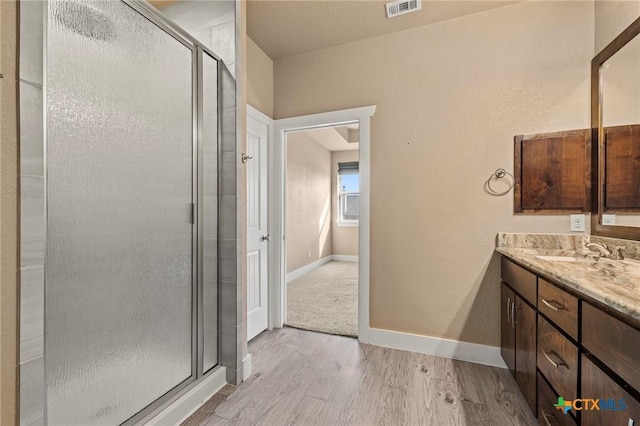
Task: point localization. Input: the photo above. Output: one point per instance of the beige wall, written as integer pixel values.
(9, 213)
(344, 239)
(450, 98)
(308, 228)
(611, 18)
(259, 79)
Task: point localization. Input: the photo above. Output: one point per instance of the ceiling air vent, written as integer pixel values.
(401, 7)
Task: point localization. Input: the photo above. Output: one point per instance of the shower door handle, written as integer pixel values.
(265, 238)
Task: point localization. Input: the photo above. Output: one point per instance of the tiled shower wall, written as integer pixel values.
(32, 208)
(231, 318)
(32, 380)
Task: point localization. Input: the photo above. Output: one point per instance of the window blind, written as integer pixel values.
(349, 168)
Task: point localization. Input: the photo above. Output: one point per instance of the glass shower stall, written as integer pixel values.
(131, 142)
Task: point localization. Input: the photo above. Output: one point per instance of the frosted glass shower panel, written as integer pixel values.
(119, 189)
(210, 220)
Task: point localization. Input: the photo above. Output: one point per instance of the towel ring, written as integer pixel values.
(499, 174)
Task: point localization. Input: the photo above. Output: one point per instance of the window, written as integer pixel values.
(348, 193)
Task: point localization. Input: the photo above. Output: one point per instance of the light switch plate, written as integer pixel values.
(578, 222)
(608, 219)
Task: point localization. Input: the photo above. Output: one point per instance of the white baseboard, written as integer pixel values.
(188, 403)
(307, 268)
(463, 351)
(318, 263)
(246, 367)
(344, 258)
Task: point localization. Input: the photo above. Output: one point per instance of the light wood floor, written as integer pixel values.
(306, 378)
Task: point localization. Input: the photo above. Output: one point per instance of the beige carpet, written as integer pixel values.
(325, 299)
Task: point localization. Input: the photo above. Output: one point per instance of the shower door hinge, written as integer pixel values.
(192, 213)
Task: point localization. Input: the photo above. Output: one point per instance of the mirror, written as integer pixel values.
(615, 116)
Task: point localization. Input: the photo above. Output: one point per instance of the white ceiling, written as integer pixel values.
(288, 28)
(332, 138)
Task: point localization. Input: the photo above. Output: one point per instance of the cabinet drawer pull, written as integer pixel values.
(553, 305)
(545, 416)
(557, 362)
(509, 309)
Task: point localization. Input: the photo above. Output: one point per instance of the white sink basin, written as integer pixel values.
(558, 258)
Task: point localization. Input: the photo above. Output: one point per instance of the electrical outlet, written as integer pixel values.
(578, 223)
(608, 219)
(309, 254)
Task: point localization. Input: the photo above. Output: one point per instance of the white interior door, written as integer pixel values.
(257, 230)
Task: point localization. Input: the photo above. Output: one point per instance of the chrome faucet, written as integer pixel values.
(617, 253)
(604, 250)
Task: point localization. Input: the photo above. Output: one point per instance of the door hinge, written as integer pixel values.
(192, 213)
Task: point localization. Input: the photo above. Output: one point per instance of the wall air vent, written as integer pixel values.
(401, 7)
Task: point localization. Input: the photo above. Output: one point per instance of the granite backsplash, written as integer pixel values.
(565, 242)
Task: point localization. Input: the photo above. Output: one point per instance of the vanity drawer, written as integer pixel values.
(557, 359)
(596, 384)
(559, 306)
(548, 415)
(521, 280)
(613, 342)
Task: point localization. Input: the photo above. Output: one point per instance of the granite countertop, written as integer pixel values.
(616, 283)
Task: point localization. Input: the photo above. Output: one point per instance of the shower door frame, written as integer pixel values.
(198, 50)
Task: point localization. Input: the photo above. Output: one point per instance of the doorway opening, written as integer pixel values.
(322, 189)
(278, 200)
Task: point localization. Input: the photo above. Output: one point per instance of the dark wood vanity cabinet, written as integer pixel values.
(547, 414)
(518, 332)
(507, 328)
(616, 345)
(557, 359)
(518, 342)
(525, 321)
(520, 280)
(565, 346)
(622, 408)
(612, 340)
(559, 306)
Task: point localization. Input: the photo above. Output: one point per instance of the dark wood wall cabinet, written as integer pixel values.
(557, 344)
(552, 172)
